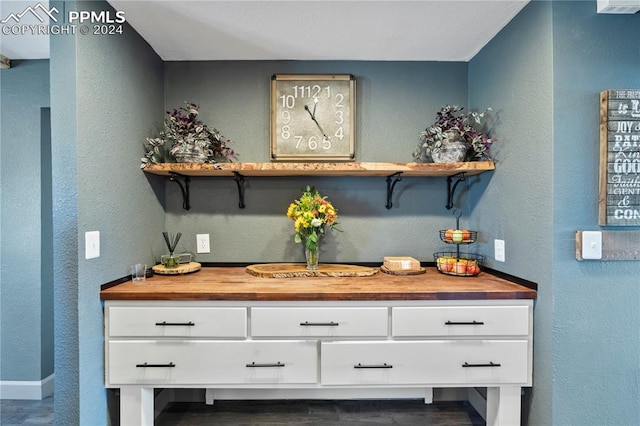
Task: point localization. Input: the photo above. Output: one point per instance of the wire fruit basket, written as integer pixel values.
(458, 264)
(458, 236)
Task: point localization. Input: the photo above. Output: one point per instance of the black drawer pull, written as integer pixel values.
(147, 365)
(183, 324)
(319, 324)
(491, 364)
(385, 365)
(254, 365)
(464, 323)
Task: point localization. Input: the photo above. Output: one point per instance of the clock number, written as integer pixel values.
(313, 143)
(339, 133)
(326, 143)
(328, 89)
(339, 99)
(286, 117)
(286, 132)
(306, 91)
(339, 117)
(288, 101)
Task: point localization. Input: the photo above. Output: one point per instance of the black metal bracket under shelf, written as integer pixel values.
(173, 177)
(239, 178)
(391, 184)
(184, 188)
(452, 189)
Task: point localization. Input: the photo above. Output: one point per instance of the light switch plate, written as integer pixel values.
(591, 245)
(91, 244)
(499, 254)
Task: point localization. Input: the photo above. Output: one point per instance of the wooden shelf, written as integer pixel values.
(321, 169)
(181, 173)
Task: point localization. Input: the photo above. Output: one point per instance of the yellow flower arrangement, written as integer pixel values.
(311, 212)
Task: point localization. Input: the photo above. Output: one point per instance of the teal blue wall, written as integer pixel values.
(395, 102)
(543, 74)
(596, 316)
(513, 75)
(107, 93)
(26, 346)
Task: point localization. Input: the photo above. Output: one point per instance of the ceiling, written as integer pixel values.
(391, 30)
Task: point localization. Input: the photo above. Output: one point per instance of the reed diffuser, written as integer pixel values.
(171, 261)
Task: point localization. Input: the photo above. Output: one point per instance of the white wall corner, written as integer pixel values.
(38, 389)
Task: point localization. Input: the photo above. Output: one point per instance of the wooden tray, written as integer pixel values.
(293, 270)
(403, 271)
(183, 268)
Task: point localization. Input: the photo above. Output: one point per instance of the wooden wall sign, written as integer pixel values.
(619, 201)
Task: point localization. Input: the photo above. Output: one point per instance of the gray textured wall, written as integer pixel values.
(395, 102)
(596, 304)
(26, 354)
(114, 85)
(513, 74)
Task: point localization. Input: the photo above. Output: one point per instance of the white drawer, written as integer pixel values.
(437, 362)
(177, 322)
(174, 362)
(460, 321)
(319, 322)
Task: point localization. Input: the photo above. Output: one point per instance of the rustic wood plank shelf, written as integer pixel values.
(321, 169)
(393, 172)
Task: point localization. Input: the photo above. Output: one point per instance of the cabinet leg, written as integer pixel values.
(208, 396)
(136, 406)
(428, 396)
(503, 406)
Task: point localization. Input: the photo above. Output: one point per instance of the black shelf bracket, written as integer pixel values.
(173, 177)
(239, 178)
(396, 177)
(452, 189)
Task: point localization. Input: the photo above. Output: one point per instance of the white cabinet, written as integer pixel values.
(331, 347)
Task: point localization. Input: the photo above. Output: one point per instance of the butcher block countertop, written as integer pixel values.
(234, 283)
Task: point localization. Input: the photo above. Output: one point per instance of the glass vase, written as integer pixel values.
(312, 256)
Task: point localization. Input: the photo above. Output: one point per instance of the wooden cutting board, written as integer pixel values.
(183, 268)
(293, 270)
(403, 271)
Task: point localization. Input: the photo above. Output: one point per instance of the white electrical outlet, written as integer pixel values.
(499, 250)
(202, 243)
(91, 244)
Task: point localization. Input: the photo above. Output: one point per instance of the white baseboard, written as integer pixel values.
(38, 389)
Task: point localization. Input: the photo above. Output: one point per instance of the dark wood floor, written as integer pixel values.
(320, 412)
(298, 412)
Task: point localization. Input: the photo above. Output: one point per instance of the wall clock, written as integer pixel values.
(313, 117)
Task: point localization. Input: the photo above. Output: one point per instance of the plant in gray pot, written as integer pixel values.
(188, 140)
(454, 137)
